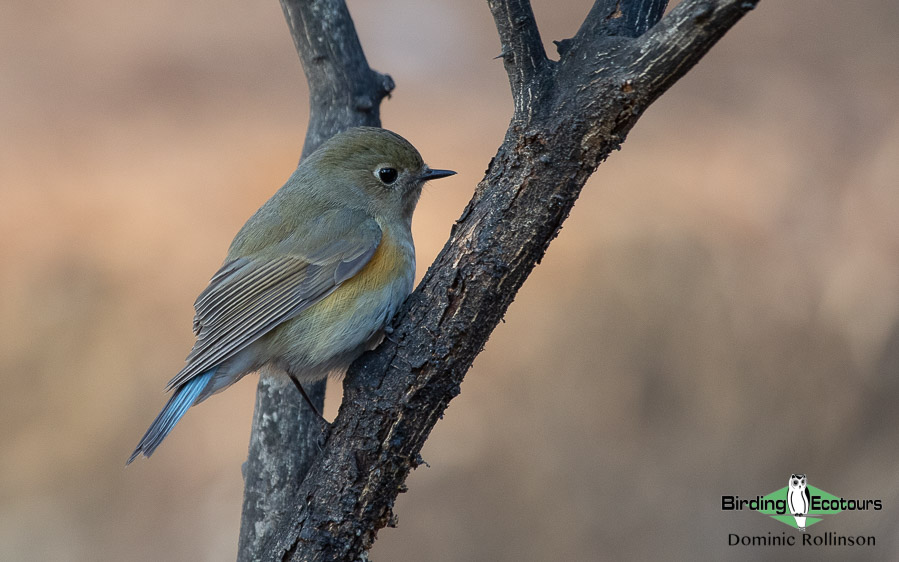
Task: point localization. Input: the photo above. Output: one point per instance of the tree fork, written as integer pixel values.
(568, 117)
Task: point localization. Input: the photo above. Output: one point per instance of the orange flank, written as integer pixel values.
(388, 262)
(339, 322)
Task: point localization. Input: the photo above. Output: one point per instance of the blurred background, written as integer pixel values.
(720, 310)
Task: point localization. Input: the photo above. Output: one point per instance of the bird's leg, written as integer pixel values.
(308, 400)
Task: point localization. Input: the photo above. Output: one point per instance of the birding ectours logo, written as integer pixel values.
(799, 505)
(799, 499)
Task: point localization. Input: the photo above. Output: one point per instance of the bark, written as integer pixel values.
(568, 116)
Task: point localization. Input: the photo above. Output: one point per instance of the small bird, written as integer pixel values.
(313, 277)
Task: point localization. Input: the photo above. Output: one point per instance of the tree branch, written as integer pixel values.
(343, 92)
(283, 443)
(683, 37)
(624, 18)
(523, 54)
(394, 395)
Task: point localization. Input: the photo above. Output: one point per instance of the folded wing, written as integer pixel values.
(251, 295)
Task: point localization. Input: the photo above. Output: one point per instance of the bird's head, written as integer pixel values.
(375, 168)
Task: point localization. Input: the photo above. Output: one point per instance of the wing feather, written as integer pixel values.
(251, 295)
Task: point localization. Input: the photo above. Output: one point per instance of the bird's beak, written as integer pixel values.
(436, 174)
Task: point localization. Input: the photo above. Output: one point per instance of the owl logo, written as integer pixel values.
(798, 498)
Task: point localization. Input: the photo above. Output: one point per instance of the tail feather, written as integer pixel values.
(174, 410)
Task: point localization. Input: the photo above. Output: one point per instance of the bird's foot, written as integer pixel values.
(388, 333)
(324, 430)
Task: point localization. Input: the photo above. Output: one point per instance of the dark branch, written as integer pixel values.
(621, 18)
(522, 49)
(343, 92)
(285, 438)
(681, 39)
(394, 395)
(643, 68)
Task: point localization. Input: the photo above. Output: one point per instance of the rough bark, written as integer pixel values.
(568, 116)
(344, 92)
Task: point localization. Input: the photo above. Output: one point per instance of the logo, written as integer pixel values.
(799, 505)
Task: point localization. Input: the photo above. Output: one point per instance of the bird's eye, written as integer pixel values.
(387, 175)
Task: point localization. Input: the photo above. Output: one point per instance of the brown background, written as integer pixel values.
(721, 309)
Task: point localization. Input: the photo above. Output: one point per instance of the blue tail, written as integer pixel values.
(174, 410)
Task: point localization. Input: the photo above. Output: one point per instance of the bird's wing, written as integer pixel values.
(251, 295)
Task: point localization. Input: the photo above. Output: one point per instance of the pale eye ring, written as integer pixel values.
(387, 175)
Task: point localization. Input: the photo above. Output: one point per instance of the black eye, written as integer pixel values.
(387, 175)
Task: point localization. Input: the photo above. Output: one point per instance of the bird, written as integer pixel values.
(313, 278)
